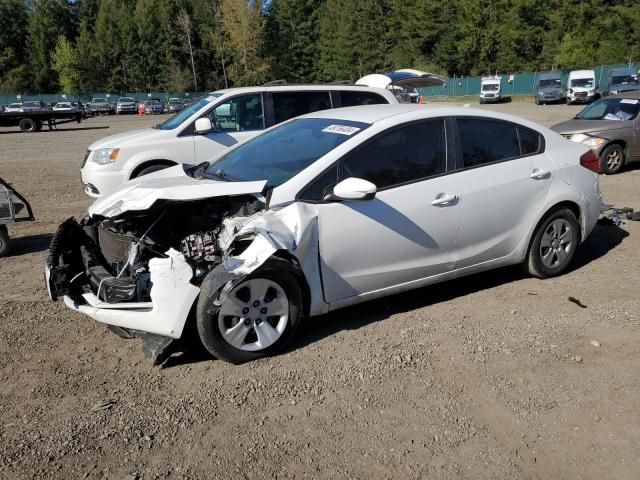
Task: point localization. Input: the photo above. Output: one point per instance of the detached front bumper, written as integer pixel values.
(74, 272)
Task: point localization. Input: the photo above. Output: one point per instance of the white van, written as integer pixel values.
(581, 87)
(490, 90)
(209, 126)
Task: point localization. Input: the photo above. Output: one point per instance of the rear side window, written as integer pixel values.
(287, 105)
(352, 98)
(406, 154)
(485, 141)
(531, 142)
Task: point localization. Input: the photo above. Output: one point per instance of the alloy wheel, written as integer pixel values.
(556, 243)
(254, 315)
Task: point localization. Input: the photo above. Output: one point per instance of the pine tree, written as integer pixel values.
(48, 20)
(13, 28)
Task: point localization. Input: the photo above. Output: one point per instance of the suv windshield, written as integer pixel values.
(281, 153)
(582, 82)
(623, 80)
(620, 109)
(180, 117)
(551, 82)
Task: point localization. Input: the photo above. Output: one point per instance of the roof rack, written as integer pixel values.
(275, 82)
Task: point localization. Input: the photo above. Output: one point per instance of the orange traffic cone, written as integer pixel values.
(141, 110)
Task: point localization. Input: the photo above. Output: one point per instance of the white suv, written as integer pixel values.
(210, 125)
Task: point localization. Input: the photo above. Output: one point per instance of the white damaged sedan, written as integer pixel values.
(321, 212)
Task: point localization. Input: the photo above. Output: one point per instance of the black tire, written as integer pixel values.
(536, 101)
(151, 168)
(38, 125)
(612, 159)
(275, 270)
(568, 101)
(28, 125)
(5, 241)
(534, 263)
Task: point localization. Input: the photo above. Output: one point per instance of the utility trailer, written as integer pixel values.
(34, 121)
(13, 208)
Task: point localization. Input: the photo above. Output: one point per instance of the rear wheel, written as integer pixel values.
(5, 241)
(554, 244)
(28, 125)
(612, 159)
(256, 318)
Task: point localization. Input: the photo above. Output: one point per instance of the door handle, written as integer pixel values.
(445, 200)
(538, 174)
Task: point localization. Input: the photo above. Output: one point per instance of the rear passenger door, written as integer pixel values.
(504, 177)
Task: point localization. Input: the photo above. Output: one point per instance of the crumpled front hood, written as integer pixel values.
(588, 126)
(168, 184)
(118, 140)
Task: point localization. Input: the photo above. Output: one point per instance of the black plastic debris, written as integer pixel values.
(577, 302)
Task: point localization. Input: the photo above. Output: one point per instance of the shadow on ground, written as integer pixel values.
(603, 239)
(29, 244)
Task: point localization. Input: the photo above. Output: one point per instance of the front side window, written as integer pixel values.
(405, 154)
(281, 153)
(288, 105)
(485, 141)
(354, 98)
(239, 114)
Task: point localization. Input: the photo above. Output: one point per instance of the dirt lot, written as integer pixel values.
(492, 376)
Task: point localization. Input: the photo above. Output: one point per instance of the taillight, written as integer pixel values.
(591, 161)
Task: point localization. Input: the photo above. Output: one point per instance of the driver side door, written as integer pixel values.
(236, 120)
(409, 230)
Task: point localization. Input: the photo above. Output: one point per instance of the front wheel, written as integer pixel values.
(554, 244)
(612, 159)
(151, 169)
(28, 125)
(5, 241)
(256, 318)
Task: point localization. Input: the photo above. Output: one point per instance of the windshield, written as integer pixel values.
(152, 102)
(620, 109)
(126, 99)
(582, 82)
(15, 105)
(179, 118)
(99, 100)
(31, 104)
(490, 87)
(282, 153)
(623, 80)
(550, 82)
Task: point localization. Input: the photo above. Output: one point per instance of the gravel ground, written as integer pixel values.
(491, 376)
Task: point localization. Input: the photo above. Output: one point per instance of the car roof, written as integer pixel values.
(376, 113)
(582, 72)
(300, 88)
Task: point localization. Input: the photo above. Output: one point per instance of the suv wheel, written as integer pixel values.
(256, 318)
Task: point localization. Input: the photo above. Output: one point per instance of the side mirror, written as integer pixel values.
(354, 189)
(203, 125)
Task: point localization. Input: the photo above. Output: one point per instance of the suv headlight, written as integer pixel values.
(587, 140)
(104, 156)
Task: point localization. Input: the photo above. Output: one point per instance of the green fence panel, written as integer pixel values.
(523, 83)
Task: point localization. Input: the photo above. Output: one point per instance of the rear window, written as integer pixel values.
(486, 141)
(351, 98)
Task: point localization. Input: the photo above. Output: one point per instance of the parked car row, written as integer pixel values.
(582, 86)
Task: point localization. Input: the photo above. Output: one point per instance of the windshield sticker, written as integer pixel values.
(620, 116)
(629, 100)
(341, 129)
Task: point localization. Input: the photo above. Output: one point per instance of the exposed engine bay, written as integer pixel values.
(110, 256)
